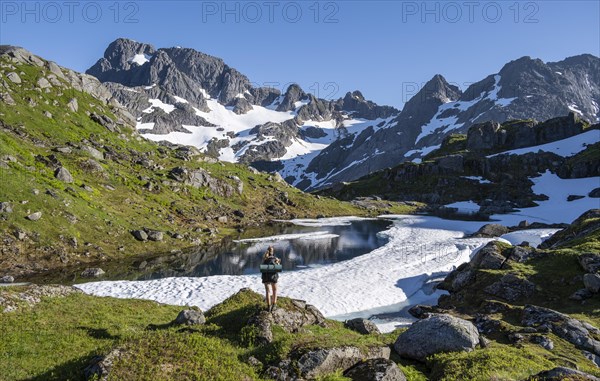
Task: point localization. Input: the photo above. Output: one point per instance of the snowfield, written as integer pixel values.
(419, 249)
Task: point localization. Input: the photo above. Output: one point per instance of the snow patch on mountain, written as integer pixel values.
(157, 103)
(140, 59)
(449, 123)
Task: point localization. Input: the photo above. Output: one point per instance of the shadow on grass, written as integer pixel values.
(71, 370)
(99, 333)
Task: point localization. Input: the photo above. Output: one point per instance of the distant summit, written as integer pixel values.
(188, 97)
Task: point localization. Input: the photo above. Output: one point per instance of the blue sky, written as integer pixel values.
(386, 49)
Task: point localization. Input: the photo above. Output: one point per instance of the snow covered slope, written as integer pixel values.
(187, 97)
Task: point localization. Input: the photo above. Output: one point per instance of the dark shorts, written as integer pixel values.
(270, 277)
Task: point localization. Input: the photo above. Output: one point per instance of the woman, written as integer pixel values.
(270, 278)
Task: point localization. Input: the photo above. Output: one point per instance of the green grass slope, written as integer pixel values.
(91, 219)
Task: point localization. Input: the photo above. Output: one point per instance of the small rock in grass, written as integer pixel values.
(190, 317)
(93, 272)
(34, 216)
(7, 279)
(140, 235)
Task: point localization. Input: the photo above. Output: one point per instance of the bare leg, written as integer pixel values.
(267, 292)
(274, 295)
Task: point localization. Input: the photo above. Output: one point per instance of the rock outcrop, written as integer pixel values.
(435, 334)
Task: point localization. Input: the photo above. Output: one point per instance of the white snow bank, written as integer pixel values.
(374, 282)
(533, 236)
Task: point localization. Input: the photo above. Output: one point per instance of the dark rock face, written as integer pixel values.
(363, 326)
(574, 331)
(438, 333)
(180, 71)
(375, 370)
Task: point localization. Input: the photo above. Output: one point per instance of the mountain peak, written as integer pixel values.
(120, 52)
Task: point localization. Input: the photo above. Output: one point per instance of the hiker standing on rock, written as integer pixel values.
(270, 267)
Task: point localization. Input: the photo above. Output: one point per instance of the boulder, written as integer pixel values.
(291, 319)
(592, 357)
(93, 272)
(93, 152)
(73, 105)
(595, 193)
(318, 362)
(592, 282)
(421, 311)
(363, 326)
(521, 253)
(263, 322)
(154, 235)
(7, 279)
(576, 332)
(488, 257)
(458, 279)
(43, 83)
(590, 262)
(140, 235)
(63, 175)
(511, 288)
(34, 216)
(561, 373)
(375, 370)
(581, 294)
(6, 207)
(190, 317)
(491, 230)
(100, 366)
(542, 341)
(438, 333)
(13, 77)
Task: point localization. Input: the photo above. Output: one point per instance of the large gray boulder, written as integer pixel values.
(375, 370)
(190, 317)
(435, 334)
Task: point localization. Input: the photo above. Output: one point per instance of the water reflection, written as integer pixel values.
(312, 246)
